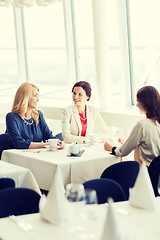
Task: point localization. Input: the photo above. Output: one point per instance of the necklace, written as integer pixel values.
(28, 123)
(83, 118)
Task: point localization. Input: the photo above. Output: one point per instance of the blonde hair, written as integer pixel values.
(21, 99)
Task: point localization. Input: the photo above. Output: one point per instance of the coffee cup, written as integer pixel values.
(93, 139)
(75, 148)
(53, 144)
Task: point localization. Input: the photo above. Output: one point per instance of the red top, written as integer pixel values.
(83, 122)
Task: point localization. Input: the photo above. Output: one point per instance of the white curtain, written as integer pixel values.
(26, 3)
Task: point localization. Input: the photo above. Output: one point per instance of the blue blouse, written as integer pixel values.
(22, 134)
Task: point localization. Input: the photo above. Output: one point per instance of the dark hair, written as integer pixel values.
(149, 97)
(86, 87)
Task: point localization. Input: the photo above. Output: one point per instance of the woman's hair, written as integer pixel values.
(149, 97)
(21, 99)
(86, 87)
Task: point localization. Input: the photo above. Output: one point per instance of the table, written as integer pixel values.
(138, 224)
(43, 163)
(22, 176)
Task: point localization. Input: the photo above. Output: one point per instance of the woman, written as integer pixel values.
(144, 139)
(80, 120)
(26, 125)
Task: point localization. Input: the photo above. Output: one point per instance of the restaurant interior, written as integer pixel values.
(79, 191)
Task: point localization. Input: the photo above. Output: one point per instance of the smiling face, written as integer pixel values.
(33, 101)
(79, 96)
(141, 108)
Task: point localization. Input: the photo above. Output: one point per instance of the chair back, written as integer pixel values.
(4, 143)
(124, 173)
(106, 188)
(18, 201)
(7, 183)
(154, 173)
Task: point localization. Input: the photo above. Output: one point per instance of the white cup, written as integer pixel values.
(93, 139)
(53, 144)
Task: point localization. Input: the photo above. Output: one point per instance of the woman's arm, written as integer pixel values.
(15, 132)
(131, 143)
(37, 145)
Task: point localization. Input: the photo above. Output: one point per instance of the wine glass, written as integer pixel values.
(89, 213)
(91, 196)
(75, 193)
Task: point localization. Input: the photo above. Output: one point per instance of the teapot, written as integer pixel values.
(75, 148)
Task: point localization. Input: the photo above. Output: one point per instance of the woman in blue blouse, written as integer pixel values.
(26, 125)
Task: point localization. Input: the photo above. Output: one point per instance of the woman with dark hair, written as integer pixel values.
(144, 139)
(80, 120)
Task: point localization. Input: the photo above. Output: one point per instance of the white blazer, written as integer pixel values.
(72, 127)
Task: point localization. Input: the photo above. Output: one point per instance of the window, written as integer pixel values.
(145, 42)
(45, 44)
(86, 35)
(46, 49)
(8, 53)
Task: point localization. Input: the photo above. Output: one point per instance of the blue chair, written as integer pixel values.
(124, 173)
(106, 188)
(7, 183)
(18, 201)
(154, 173)
(4, 144)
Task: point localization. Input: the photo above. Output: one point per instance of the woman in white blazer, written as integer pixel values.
(81, 120)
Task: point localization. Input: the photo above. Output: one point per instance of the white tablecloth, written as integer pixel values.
(22, 176)
(43, 163)
(138, 224)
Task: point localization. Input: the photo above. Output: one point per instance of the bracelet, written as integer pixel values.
(113, 151)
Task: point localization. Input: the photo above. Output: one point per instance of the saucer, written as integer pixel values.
(75, 155)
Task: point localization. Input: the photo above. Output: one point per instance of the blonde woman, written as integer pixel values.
(26, 125)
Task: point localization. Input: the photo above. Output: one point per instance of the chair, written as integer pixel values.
(154, 173)
(7, 183)
(18, 201)
(4, 144)
(105, 189)
(124, 173)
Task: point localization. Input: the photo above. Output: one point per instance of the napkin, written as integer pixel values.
(142, 194)
(55, 208)
(111, 229)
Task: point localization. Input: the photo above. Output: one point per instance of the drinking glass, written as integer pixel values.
(91, 196)
(75, 193)
(89, 214)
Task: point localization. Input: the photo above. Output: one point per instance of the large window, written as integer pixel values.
(86, 34)
(45, 44)
(8, 53)
(112, 44)
(145, 42)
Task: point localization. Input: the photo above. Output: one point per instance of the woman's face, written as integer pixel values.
(33, 101)
(79, 96)
(140, 106)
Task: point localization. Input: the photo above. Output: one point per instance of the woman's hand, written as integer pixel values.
(61, 144)
(108, 147)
